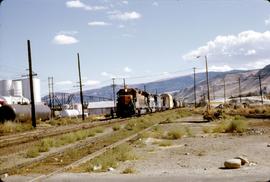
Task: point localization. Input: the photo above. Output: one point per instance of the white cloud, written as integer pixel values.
(79, 4)
(91, 82)
(121, 26)
(220, 68)
(267, 21)
(63, 39)
(250, 52)
(117, 15)
(155, 3)
(125, 2)
(258, 64)
(104, 73)
(75, 4)
(236, 51)
(127, 70)
(98, 23)
(65, 82)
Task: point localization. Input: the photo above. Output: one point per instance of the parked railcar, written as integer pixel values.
(167, 101)
(22, 113)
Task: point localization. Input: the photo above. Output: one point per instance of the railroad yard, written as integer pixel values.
(172, 145)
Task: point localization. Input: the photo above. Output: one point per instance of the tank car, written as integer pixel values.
(22, 113)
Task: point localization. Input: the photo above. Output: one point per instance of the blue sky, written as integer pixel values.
(141, 40)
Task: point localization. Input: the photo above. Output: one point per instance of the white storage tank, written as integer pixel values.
(70, 113)
(17, 88)
(5, 87)
(36, 88)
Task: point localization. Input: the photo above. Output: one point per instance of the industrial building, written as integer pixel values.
(18, 91)
(100, 108)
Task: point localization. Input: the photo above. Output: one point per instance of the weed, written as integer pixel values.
(207, 129)
(32, 153)
(128, 170)
(99, 130)
(164, 143)
(14, 127)
(116, 127)
(189, 132)
(111, 158)
(238, 126)
(175, 134)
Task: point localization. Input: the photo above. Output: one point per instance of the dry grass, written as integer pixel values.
(174, 134)
(32, 153)
(163, 143)
(128, 170)
(14, 127)
(111, 158)
(116, 127)
(237, 125)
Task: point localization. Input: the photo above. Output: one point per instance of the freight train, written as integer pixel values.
(132, 101)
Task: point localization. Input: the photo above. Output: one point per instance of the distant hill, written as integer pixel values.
(182, 86)
(249, 85)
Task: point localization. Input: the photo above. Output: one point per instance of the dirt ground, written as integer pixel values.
(198, 157)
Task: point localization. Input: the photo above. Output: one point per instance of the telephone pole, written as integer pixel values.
(124, 80)
(224, 90)
(207, 81)
(80, 80)
(261, 93)
(113, 87)
(51, 95)
(194, 79)
(33, 110)
(144, 88)
(239, 86)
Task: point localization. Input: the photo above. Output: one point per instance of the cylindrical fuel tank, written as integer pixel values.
(22, 113)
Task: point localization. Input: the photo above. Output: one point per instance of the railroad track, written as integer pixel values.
(29, 136)
(91, 156)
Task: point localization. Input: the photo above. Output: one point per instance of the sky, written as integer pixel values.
(140, 40)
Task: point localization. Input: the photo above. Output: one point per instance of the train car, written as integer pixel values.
(167, 101)
(131, 102)
(22, 113)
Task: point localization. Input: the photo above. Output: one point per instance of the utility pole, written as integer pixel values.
(124, 80)
(33, 110)
(50, 94)
(261, 93)
(113, 87)
(239, 85)
(80, 80)
(156, 92)
(194, 79)
(207, 81)
(144, 88)
(224, 90)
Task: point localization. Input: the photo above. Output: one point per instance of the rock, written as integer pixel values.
(232, 163)
(98, 167)
(111, 169)
(187, 153)
(186, 145)
(268, 145)
(243, 159)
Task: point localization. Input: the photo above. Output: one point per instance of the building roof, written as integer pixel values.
(101, 104)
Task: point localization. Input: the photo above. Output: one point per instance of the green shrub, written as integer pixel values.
(128, 170)
(175, 134)
(116, 127)
(32, 153)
